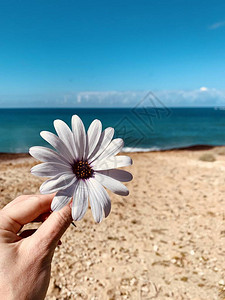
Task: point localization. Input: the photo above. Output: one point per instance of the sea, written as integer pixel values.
(143, 129)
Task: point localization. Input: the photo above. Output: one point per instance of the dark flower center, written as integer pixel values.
(82, 169)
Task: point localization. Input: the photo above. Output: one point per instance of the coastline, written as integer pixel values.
(165, 240)
(197, 147)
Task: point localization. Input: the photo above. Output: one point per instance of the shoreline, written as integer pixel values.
(11, 155)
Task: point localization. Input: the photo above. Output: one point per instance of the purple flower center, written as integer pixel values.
(82, 169)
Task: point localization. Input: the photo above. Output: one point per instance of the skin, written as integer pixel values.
(25, 259)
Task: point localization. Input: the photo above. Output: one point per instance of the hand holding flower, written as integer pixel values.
(25, 260)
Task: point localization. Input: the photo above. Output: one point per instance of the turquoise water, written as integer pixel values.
(141, 129)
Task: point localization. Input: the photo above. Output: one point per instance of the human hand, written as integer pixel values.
(25, 261)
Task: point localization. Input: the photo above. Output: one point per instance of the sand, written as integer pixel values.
(164, 241)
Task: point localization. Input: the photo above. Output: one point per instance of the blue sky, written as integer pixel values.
(51, 51)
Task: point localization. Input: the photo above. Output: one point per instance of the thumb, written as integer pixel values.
(51, 230)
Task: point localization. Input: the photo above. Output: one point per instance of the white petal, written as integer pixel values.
(112, 184)
(79, 135)
(120, 175)
(80, 201)
(57, 183)
(99, 195)
(62, 198)
(113, 148)
(93, 135)
(46, 155)
(49, 169)
(96, 207)
(113, 163)
(55, 141)
(103, 142)
(66, 135)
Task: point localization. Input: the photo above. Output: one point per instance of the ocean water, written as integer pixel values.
(143, 129)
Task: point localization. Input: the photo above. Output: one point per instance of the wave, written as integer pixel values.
(194, 147)
(136, 149)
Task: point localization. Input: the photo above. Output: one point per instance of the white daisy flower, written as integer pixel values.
(83, 164)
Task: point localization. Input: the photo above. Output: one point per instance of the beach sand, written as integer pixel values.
(164, 241)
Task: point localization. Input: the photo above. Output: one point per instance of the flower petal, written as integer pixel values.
(97, 194)
(58, 144)
(46, 155)
(96, 207)
(112, 163)
(120, 175)
(56, 183)
(80, 201)
(66, 135)
(79, 136)
(113, 148)
(104, 140)
(50, 169)
(62, 198)
(93, 135)
(112, 184)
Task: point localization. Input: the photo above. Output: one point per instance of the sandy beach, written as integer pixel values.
(164, 241)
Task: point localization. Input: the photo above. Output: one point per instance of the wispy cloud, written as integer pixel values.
(217, 25)
(203, 96)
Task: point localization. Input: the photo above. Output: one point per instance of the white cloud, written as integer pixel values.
(217, 25)
(203, 89)
(108, 98)
(78, 98)
(66, 98)
(210, 97)
(199, 97)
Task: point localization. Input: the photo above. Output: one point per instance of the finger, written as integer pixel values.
(49, 233)
(17, 200)
(24, 211)
(29, 232)
(42, 217)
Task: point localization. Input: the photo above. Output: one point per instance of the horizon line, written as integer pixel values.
(116, 107)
